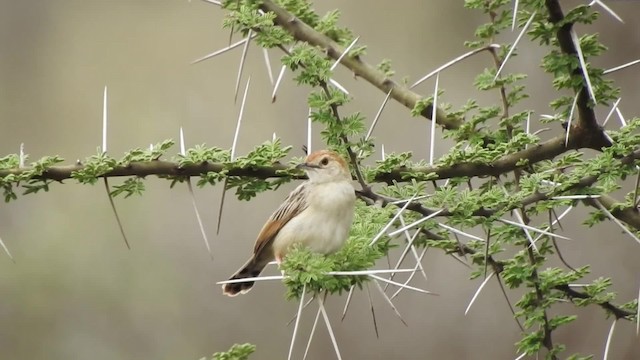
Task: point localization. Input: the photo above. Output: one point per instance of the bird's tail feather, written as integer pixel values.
(251, 269)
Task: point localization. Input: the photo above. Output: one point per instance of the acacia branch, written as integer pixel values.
(629, 216)
(305, 33)
(159, 168)
(587, 122)
(544, 151)
(371, 198)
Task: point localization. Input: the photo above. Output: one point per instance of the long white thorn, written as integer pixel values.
(615, 220)
(453, 62)
(221, 51)
(237, 132)
(475, 296)
(368, 272)
(515, 43)
(279, 79)
(388, 225)
(375, 119)
(402, 285)
(329, 328)
(613, 108)
(534, 229)
(295, 327)
(338, 86)
(277, 85)
(393, 307)
(556, 221)
(346, 304)
(313, 331)
(193, 200)
(607, 9)
(233, 153)
(410, 240)
(373, 312)
(621, 67)
(583, 64)
(303, 307)
(6, 250)
(309, 133)
(620, 117)
(609, 338)
(521, 356)
(243, 57)
(575, 197)
(638, 315)
(515, 15)
(526, 231)
(250, 279)
(104, 120)
(573, 106)
(267, 63)
(415, 269)
(214, 2)
(415, 223)
(460, 232)
(344, 53)
(434, 110)
(636, 199)
(21, 159)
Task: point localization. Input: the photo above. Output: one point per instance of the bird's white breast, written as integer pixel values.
(324, 225)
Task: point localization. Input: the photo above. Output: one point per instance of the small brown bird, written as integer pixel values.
(317, 214)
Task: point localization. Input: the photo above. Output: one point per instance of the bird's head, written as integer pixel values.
(325, 166)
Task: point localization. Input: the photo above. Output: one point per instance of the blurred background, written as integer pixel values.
(75, 291)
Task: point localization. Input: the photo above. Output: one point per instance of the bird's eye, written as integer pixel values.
(324, 161)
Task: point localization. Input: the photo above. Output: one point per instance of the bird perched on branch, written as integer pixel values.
(317, 214)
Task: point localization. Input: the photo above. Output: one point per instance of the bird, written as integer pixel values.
(317, 214)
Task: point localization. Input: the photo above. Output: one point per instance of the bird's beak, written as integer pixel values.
(306, 166)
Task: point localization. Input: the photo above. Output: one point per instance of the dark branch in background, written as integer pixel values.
(587, 124)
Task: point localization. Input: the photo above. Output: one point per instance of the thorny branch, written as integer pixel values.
(403, 95)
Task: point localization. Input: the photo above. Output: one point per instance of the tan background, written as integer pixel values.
(76, 292)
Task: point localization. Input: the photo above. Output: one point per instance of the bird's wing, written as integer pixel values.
(293, 205)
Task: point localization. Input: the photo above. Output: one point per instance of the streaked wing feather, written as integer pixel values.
(293, 205)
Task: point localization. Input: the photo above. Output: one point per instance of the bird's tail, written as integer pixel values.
(251, 269)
